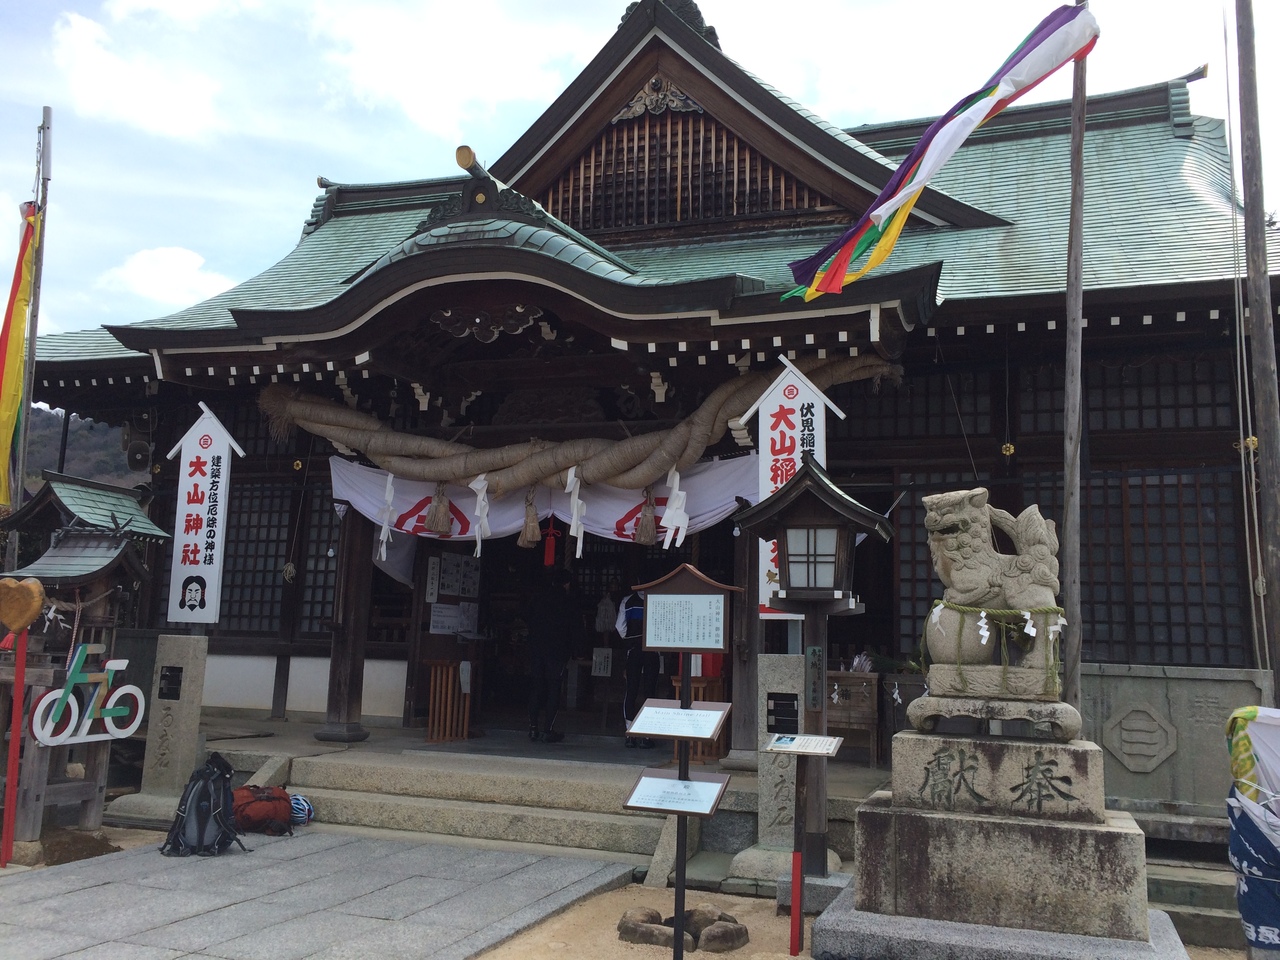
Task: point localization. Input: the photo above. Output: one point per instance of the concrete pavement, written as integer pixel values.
(322, 894)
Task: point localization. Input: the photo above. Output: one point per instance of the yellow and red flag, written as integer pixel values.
(13, 357)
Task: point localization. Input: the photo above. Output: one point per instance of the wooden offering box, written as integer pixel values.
(853, 703)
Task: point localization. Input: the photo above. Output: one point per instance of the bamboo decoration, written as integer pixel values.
(631, 464)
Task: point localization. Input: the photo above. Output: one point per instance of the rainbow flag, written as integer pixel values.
(1067, 34)
(13, 358)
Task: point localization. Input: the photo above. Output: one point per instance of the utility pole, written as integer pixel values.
(1072, 422)
(33, 315)
(1266, 396)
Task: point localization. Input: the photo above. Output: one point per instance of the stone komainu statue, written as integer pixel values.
(980, 641)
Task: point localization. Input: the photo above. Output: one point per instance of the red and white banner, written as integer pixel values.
(199, 527)
(704, 495)
(792, 422)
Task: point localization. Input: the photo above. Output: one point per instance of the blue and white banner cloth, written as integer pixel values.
(1255, 854)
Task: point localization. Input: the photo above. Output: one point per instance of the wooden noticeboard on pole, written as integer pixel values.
(684, 612)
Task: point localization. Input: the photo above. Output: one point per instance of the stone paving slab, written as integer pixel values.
(315, 896)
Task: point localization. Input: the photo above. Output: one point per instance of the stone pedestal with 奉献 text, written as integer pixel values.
(994, 843)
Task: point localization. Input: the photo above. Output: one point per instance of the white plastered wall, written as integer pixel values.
(242, 682)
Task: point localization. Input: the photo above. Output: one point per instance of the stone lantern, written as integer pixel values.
(816, 526)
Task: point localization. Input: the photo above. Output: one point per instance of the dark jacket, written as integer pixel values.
(554, 625)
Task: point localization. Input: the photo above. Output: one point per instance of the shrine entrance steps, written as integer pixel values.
(512, 799)
(1200, 899)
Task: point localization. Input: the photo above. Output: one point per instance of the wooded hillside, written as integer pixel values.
(93, 450)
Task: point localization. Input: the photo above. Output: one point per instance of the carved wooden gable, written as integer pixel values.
(663, 159)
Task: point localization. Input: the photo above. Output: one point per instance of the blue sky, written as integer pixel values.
(188, 133)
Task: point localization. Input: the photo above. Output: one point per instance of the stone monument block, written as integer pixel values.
(1004, 777)
(173, 714)
(173, 732)
(1080, 878)
(778, 674)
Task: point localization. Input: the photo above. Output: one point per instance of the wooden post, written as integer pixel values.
(1072, 420)
(1266, 398)
(346, 658)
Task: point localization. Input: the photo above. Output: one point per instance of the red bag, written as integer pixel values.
(262, 810)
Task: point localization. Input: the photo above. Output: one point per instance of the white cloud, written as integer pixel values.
(160, 96)
(187, 12)
(445, 68)
(171, 276)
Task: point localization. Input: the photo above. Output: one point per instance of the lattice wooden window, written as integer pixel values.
(319, 573)
(257, 541)
(921, 407)
(1161, 579)
(1161, 395)
(673, 168)
(1157, 395)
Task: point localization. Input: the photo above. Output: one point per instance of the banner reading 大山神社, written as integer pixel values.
(706, 494)
(199, 526)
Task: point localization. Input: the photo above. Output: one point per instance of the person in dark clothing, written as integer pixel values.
(554, 624)
(641, 666)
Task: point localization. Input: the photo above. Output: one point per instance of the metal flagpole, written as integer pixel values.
(33, 315)
(1262, 347)
(1072, 424)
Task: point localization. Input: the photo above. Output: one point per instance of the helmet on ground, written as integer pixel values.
(302, 809)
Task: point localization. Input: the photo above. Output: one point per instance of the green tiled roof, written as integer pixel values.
(571, 249)
(105, 510)
(88, 345)
(1157, 211)
(75, 559)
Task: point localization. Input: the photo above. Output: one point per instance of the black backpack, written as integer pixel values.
(204, 823)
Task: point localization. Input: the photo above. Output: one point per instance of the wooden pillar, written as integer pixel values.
(351, 615)
(1073, 424)
(1262, 341)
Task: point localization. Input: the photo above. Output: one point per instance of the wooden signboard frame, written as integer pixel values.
(720, 780)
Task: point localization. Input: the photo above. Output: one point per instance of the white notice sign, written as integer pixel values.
(446, 619)
(809, 746)
(674, 621)
(665, 718)
(656, 790)
(200, 523)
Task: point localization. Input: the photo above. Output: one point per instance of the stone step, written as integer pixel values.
(518, 781)
(1205, 926)
(612, 832)
(1211, 887)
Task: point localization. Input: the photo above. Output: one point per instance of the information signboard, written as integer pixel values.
(805, 745)
(662, 791)
(665, 718)
(684, 622)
